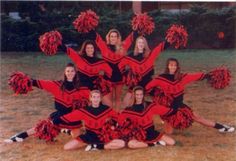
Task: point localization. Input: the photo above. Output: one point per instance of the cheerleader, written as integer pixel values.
(141, 65)
(113, 51)
(94, 117)
(140, 115)
(66, 93)
(173, 83)
(89, 68)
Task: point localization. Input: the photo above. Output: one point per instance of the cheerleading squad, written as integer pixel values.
(84, 99)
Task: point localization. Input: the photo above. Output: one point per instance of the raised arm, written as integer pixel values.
(101, 44)
(157, 51)
(74, 56)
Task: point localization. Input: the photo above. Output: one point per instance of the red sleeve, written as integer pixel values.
(49, 86)
(107, 70)
(123, 64)
(153, 83)
(74, 56)
(128, 41)
(158, 109)
(101, 44)
(121, 118)
(85, 92)
(156, 51)
(74, 116)
(189, 78)
(114, 115)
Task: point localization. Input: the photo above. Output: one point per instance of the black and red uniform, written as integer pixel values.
(89, 68)
(93, 119)
(174, 88)
(142, 66)
(143, 114)
(112, 57)
(64, 100)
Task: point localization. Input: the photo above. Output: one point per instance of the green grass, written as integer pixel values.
(38, 65)
(196, 143)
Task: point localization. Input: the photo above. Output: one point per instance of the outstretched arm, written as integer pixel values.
(189, 78)
(157, 51)
(154, 83)
(129, 39)
(49, 86)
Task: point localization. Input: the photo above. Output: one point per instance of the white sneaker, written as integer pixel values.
(88, 147)
(226, 129)
(65, 131)
(9, 141)
(162, 143)
(91, 147)
(13, 139)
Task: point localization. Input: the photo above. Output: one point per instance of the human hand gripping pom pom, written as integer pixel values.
(143, 24)
(20, 83)
(219, 78)
(49, 42)
(46, 130)
(177, 35)
(86, 21)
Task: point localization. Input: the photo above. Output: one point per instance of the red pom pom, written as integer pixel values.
(131, 79)
(49, 42)
(131, 130)
(177, 35)
(108, 132)
(46, 130)
(143, 24)
(182, 119)
(219, 78)
(86, 21)
(161, 98)
(81, 103)
(102, 85)
(20, 83)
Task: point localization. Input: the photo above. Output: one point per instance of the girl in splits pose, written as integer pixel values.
(65, 93)
(141, 113)
(94, 117)
(173, 83)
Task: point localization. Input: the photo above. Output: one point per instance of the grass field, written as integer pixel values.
(197, 143)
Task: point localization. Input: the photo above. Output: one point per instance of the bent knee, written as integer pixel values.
(67, 147)
(121, 143)
(170, 141)
(131, 144)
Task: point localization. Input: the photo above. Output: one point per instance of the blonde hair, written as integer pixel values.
(146, 47)
(118, 45)
(91, 93)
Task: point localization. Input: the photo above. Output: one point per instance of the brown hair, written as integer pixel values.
(137, 88)
(75, 79)
(83, 47)
(177, 74)
(118, 45)
(146, 47)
